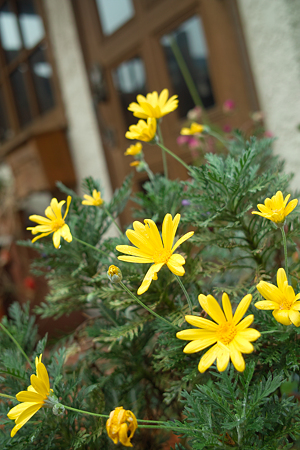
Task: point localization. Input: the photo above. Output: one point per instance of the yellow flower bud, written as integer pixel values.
(114, 274)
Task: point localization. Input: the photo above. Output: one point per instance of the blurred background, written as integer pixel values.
(70, 68)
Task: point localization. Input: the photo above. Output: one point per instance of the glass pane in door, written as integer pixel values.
(130, 80)
(190, 41)
(113, 14)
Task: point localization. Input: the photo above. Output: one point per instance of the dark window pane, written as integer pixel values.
(130, 80)
(189, 38)
(42, 73)
(4, 126)
(9, 32)
(19, 89)
(113, 14)
(30, 22)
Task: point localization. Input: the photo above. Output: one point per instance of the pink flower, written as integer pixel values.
(193, 143)
(227, 128)
(195, 114)
(228, 106)
(182, 140)
(268, 134)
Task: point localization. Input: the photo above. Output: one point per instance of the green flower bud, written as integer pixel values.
(114, 274)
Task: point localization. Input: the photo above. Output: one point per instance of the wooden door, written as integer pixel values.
(127, 52)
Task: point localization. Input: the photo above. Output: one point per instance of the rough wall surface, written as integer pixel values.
(84, 139)
(272, 32)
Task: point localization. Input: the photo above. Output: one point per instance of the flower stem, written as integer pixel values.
(285, 252)
(81, 411)
(217, 136)
(15, 342)
(174, 156)
(8, 396)
(185, 293)
(164, 158)
(91, 246)
(145, 306)
(113, 220)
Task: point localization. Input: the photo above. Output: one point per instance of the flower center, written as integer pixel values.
(57, 224)
(285, 304)
(226, 332)
(161, 256)
(278, 215)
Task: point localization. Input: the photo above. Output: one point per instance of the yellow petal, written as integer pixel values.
(282, 316)
(43, 375)
(250, 334)
(175, 266)
(281, 278)
(56, 239)
(200, 322)
(184, 238)
(295, 317)
(222, 359)
(40, 236)
(227, 306)
(245, 322)
(290, 207)
(31, 397)
(17, 410)
(56, 207)
(208, 358)
(242, 344)
(133, 251)
(39, 385)
(153, 233)
(66, 233)
(167, 231)
(140, 241)
(236, 358)
(242, 308)
(135, 259)
(212, 307)
(27, 414)
(193, 334)
(266, 305)
(148, 278)
(123, 435)
(40, 219)
(200, 344)
(270, 292)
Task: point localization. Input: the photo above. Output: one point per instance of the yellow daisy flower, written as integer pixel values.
(54, 223)
(276, 208)
(149, 248)
(144, 131)
(282, 300)
(195, 128)
(120, 422)
(231, 336)
(154, 105)
(94, 200)
(33, 399)
(134, 149)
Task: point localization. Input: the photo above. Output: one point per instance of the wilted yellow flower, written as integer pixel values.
(282, 300)
(149, 248)
(231, 336)
(118, 425)
(154, 105)
(135, 163)
(144, 131)
(134, 149)
(195, 128)
(275, 208)
(54, 223)
(94, 200)
(33, 399)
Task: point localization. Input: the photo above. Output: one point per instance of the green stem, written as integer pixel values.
(270, 331)
(15, 342)
(147, 168)
(285, 252)
(145, 306)
(186, 73)
(217, 136)
(113, 220)
(174, 156)
(185, 293)
(8, 396)
(104, 416)
(164, 158)
(91, 246)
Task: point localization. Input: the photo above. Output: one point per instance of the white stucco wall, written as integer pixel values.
(272, 33)
(83, 134)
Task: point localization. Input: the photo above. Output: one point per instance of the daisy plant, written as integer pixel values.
(93, 200)
(229, 335)
(154, 105)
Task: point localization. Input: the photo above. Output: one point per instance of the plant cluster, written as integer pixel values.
(125, 376)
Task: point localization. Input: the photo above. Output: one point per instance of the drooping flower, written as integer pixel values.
(94, 200)
(150, 248)
(135, 163)
(33, 399)
(143, 131)
(276, 208)
(282, 300)
(114, 274)
(154, 105)
(120, 422)
(53, 223)
(231, 336)
(195, 128)
(134, 149)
